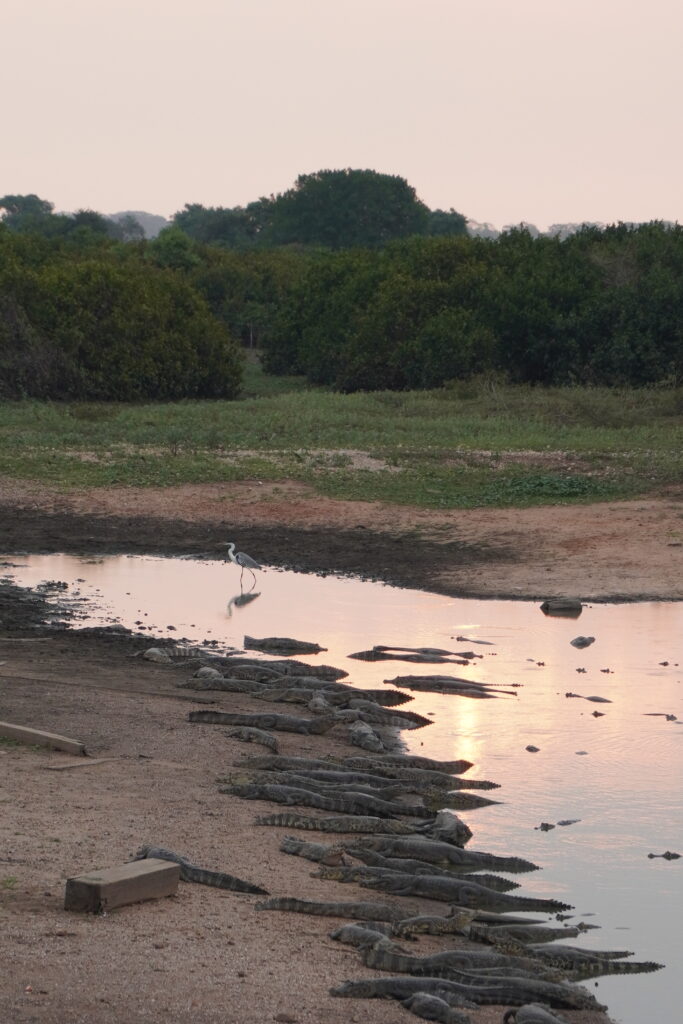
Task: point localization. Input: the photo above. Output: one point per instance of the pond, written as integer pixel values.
(614, 769)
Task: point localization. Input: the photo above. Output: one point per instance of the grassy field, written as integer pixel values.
(478, 443)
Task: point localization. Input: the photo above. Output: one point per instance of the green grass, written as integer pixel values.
(477, 443)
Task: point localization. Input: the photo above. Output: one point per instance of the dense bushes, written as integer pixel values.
(600, 307)
(88, 317)
(106, 324)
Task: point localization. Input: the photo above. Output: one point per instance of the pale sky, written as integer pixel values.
(506, 110)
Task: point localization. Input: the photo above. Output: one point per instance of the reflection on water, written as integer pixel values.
(241, 600)
(614, 768)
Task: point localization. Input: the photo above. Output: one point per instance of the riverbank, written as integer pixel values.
(630, 550)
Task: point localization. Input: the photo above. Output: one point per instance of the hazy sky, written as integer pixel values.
(506, 110)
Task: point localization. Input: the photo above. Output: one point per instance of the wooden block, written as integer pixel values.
(35, 737)
(116, 887)
(83, 762)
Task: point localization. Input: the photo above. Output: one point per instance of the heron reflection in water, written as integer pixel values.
(240, 600)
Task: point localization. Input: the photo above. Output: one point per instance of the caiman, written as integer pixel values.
(191, 873)
(443, 855)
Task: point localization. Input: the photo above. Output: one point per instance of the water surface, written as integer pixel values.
(619, 773)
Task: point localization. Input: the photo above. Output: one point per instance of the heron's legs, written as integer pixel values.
(253, 575)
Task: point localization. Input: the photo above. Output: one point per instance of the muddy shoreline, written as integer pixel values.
(629, 552)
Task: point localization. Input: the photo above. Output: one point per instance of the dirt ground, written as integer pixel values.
(206, 955)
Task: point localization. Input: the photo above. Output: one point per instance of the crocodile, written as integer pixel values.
(387, 791)
(418, 658)
(430, 776)
(450, 684)
(346, 803)
(258, 672)
(341, 823)
(351, 873)
(444, 855)
(337, 694)
(524, 934)
(430, 780)
(283, 694)
(491, 991)
(281, 645)
(457, 923)
(367, 768)
(337, 776)
(191, 873)
(411, 761)
(280, 762)
(248, 734)
(387, 698)
(403, 987)
(359, 909)
(361, 734)
(532, 1013)
(374, 714)
(464, 892)
(292, 667)
(267, 721)
(223, 684)
(321, 853)
(446, 827)
(429, 1007)
(363, 936)
(588, 963)
(433, 799)
(452, 963)
(163, 655)
(420, 867)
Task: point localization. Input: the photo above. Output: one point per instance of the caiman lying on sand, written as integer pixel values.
(388, 789)
(463, 892)
(346, 803)
(191, 873)
(531, 963)
(442, 855)
(500, 991)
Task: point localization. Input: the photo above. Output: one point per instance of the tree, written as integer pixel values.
(173, 248)
(446, 222)
(345, 209)
(25, 213)
(236, 228)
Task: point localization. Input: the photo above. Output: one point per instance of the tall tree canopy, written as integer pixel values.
(338, 209)
(347, 209)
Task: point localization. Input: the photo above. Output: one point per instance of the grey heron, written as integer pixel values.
(244, 561)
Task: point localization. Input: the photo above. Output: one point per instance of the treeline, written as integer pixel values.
(396, 297)
(106, 321)
(600, 307)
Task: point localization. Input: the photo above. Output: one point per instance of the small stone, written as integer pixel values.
(532, 749)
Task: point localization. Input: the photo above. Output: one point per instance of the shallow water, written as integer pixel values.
(619, 773)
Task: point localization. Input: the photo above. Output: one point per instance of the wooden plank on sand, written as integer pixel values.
(35, 737)
(83, 762)
(127, 883)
